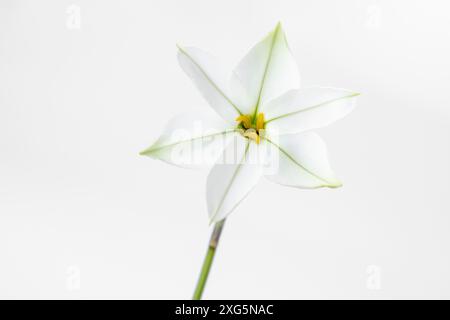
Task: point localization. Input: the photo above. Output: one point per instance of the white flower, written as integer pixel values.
(263, 109)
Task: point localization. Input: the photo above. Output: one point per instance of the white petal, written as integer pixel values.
(308, 108)
(191, 141)
(303, 162)
(229, 182)
(210, 79)
(268, 70)
(241, 96)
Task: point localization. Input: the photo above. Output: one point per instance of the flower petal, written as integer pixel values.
(210, 79)
(191, 141)
(232, 179)
(302, 162)
(308, 108)
(268, 70)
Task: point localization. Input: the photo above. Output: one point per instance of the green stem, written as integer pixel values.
(213, 242)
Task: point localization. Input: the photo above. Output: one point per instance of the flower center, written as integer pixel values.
(251, 128)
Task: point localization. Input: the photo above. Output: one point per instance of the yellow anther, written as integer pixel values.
(252, 134)
(260, 121)
(246, 120)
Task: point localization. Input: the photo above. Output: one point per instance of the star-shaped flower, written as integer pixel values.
(262, 108)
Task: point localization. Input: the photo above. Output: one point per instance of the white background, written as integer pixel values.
(83, 216)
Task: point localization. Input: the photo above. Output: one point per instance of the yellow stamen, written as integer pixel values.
(246, 120)
(252, 128)
(251, 134)
(260, 121)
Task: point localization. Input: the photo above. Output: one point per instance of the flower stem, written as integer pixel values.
(213, 242)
